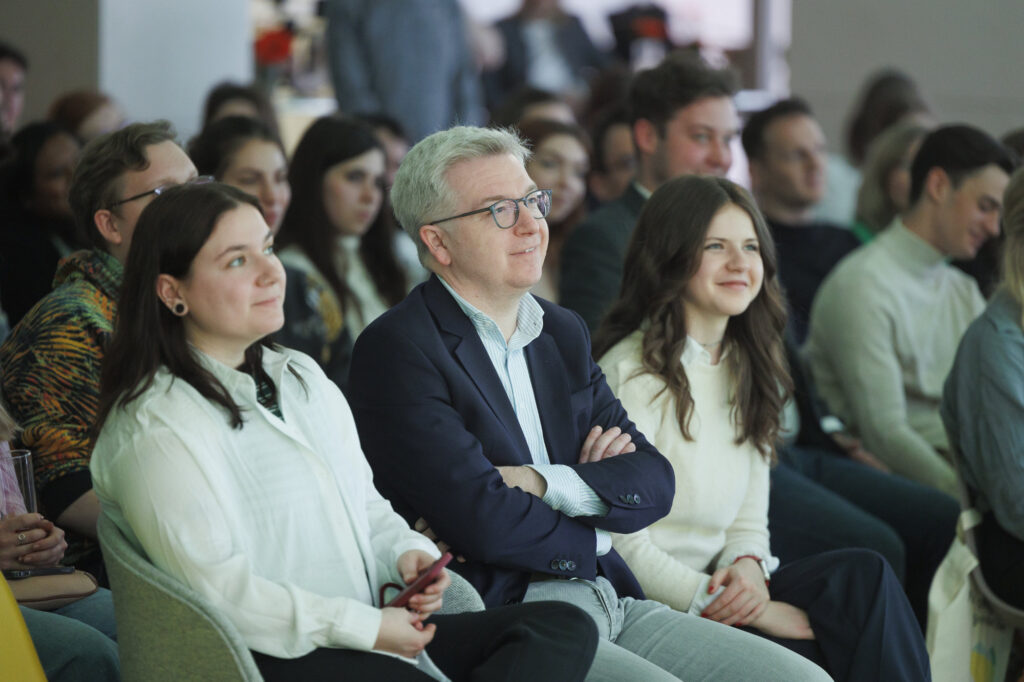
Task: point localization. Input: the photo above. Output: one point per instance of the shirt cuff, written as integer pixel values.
(604, 541)
(568, 493)
(701, 598)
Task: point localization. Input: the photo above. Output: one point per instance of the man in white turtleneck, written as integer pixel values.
(885, 324)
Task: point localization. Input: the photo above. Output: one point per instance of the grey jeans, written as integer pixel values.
(646, 640)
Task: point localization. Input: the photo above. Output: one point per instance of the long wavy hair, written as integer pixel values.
(147, 336)
(328, 142)
(664, 254)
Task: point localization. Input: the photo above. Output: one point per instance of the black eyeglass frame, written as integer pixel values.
(515, 202)
(157, 191)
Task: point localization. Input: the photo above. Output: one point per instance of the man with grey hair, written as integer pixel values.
(489, 426)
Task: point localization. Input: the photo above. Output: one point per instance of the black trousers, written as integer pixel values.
(530, 642)
(863, 625)
(1001, 556)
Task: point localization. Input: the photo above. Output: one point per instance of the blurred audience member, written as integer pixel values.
(683, 121)
(885, 178)
(529, 103)
(546, 48)
(785, 148)
(614, 164)
(1015, 141)
(406, 58)
(245, 153)
(38, 227)
(13, 68)
(560, 161)
(51, 361)
(86, 113)
(889, 96)
(392, 135)
(983, 412)
(335, 231)
(886, 323)
(232, 99)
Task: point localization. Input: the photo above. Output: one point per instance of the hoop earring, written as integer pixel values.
(180, 309)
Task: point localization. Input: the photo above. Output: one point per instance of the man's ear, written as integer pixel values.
(436, 241)
(104, 221)
(646, 137)
(937, 184)
(167, 288)
(756, 174)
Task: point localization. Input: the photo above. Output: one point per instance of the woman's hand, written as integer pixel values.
(410, 565)
(30, 541)
(780, 619)
(744, 597)
(402, 633)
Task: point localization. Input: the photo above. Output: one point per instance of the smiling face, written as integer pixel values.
(968, 216)
(730, 274)
(259, 168)
(487, 265)
(353, 191)
(234, 290)
(560, 163)
(697, 140)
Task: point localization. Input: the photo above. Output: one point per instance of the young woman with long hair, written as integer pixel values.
(334, 226)
(245, 153)
(693, 349)
(235, 466)
(560, 162)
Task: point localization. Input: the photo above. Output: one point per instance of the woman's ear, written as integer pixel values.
(169, 290)
(436, 240)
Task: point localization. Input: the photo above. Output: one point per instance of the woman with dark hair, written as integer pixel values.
(232, 99)
(560, 162)
(335, 228)
(37, 224)
(235, 466)
(693, 348)
(245, 153)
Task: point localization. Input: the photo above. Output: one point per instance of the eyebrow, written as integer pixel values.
(242, 247)
(487, 201)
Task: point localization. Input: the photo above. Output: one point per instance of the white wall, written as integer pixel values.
(966, 56)
(160, 58)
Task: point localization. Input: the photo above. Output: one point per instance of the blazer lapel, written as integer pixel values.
(551, 390)
(469, 351)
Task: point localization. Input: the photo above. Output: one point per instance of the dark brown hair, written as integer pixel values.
(664, 254)
(534, 133)
(170, 232)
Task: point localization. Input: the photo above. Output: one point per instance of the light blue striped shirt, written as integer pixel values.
(566, 491)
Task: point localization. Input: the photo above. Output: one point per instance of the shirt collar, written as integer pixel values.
(529, 318)
(238, 382)
(693, 353)
(643, 191)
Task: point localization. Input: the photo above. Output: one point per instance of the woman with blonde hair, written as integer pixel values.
(983, 411)
(693, 349)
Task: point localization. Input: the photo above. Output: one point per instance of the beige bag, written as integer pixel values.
(49, 592)
(965, 641)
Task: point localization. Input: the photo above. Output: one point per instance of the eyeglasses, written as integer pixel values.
(157, 191)
(506, 211)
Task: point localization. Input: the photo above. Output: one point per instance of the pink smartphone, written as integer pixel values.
(416, 586)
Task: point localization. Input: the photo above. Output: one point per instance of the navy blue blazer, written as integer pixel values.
(435, 421)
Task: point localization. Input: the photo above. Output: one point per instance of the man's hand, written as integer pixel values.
(601, 444)
(410, 565)
(30, 541)
(783, 620)
(421, 526)
(745, 595)
(524, 478)
(855, 451)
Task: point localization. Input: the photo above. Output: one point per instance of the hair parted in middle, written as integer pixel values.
(421, 192)
(664, 254)
(147, 334)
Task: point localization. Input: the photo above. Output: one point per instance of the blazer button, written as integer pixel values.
(636, 499)
(563, 565)
(554, 564)
(572, 565)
